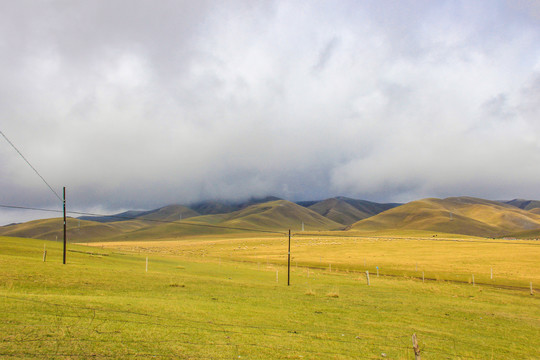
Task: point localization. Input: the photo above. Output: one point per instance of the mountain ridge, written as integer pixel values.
(347, 211)
(454, 215)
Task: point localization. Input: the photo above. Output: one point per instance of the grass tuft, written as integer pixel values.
(310, 292)
(334, 293)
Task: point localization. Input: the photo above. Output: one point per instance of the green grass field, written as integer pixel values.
(219, 298)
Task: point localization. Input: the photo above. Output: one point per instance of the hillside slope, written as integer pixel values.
(165, 213)
(77, 230)
(458, 215)
(214, 207)
(347, 211)
(168, 213)
(524, 204)
(339, 211)
(279, 216)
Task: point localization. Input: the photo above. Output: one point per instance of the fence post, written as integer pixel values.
(415, 348)
(532, 292)
(367, 276)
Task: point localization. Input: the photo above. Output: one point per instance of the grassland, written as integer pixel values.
(446, 257)
(216, 297)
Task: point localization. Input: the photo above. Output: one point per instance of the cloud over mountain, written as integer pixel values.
(137, 105)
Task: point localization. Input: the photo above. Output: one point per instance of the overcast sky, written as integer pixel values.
(140, 104)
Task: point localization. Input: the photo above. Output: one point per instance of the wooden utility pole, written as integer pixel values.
(65, 238)
(289, 261)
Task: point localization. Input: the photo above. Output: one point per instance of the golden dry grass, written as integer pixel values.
(514, 262)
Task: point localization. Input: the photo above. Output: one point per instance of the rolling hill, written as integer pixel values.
(77, 230)
(166, 213)
(347, 211)
(213, 207)
(123, 216)
(281, 215)
(457, 215)
(178, 221)
(273, 216)
(524, 204)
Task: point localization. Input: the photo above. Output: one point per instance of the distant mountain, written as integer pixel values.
(369, 207)
(347, 211)
(280, 215)
(308, 203)
(166, 213)
(224, 207)
(127, 215)
(176, 221)
(524, 204)
(77, 230)
(457, 215)
(341, 209)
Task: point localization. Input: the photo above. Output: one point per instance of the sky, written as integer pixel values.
(135, 104)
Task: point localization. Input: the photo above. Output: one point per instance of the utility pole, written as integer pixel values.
(64, 225)
(289, 261)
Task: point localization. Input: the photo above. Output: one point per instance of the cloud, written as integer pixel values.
(137, 105)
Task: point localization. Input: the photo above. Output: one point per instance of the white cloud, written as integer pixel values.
(133, 104)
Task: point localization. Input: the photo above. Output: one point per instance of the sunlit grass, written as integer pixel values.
(491, 261)
(103, 304)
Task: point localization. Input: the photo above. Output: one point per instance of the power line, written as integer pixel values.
(148, 220)
(33, 168)
(29, 208)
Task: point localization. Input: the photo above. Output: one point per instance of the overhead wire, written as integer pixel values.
(33, 168)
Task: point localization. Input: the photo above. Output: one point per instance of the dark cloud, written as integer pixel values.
(134, 104)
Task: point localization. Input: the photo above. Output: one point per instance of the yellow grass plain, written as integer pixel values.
(491, 261)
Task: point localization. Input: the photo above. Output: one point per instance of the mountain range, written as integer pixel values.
(456, 215)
